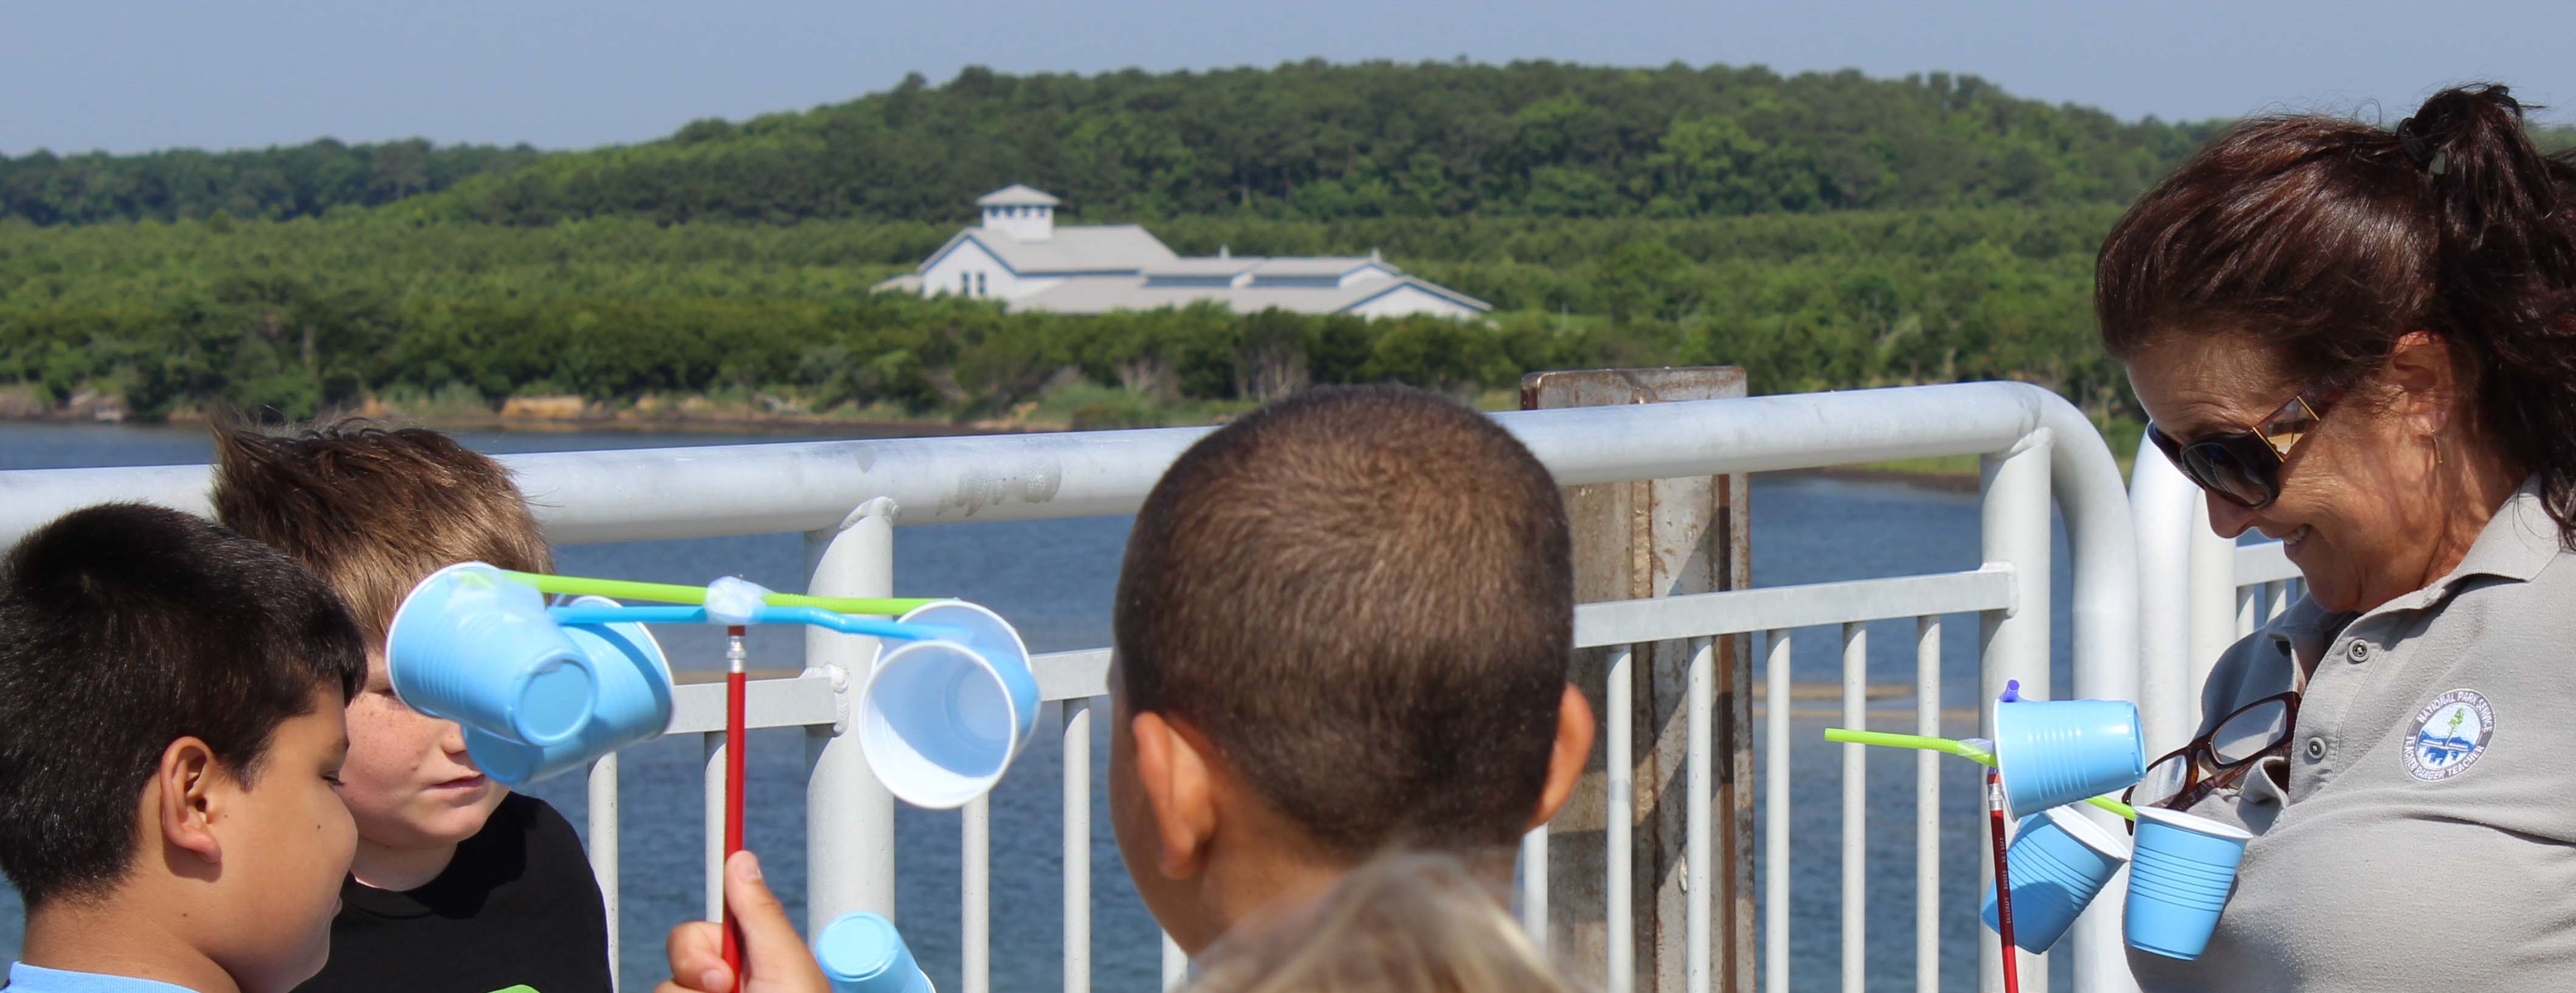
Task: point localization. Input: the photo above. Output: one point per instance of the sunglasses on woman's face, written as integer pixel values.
(2243, 467)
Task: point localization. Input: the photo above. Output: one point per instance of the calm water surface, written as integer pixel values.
(1054, 579)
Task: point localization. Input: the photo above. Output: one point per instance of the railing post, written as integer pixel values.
(849, 816)
(2161, 503)
(1927, 807)
(1637, 539)
(1077, 846)
(712, 820)
(2213, 606)
(603, 848)
(2014, 529)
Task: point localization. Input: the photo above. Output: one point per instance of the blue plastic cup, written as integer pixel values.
(2056, 752)
(2179, 881)
(633, 704)
(2060, 860)
(471, 646)
(941, 720)
(861, 952)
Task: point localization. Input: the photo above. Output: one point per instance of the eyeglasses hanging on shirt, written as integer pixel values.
(2213, 761)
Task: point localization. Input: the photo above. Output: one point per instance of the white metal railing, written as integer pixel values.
(2036, 447)
(2208, 589)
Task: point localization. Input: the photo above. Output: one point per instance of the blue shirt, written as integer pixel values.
(24, 978)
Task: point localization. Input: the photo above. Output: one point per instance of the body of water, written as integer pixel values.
(1055, 579)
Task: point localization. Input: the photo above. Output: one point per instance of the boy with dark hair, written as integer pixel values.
(1343, 626)
(458, 886)
(170, 741)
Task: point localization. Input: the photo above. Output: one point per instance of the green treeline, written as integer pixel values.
(307, 314)
(1309, 140)
(1321, 141)
(276, 183)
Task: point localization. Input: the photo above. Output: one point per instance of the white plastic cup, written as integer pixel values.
(861, 952)
(472, 646)
(633, 705)
(941, 720)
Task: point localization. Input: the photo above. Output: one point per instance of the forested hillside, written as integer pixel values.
(1302, 141)
(273, 183)
(1324, 141)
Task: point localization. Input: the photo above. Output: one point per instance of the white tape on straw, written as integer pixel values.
(733, 600)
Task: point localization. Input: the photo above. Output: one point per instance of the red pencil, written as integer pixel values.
(735, 688)
(2003, 880)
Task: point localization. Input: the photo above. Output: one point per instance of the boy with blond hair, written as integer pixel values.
(170, 738)
(1342, 625)
(458, 885)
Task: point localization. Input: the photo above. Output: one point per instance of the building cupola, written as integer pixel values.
(1020, 213)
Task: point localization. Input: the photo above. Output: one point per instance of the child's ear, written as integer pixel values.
(1565, 762)
(184, 798)
(1172, 769)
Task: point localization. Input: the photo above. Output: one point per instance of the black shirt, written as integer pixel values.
(516, 906)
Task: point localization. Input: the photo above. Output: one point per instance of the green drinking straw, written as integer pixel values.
(1972, 752)
(675, 593)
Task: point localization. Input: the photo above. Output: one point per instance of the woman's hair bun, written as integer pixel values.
(2494, 193)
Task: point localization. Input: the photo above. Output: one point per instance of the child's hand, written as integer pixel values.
(774, 958)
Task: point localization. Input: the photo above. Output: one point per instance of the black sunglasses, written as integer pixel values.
(2244, 467)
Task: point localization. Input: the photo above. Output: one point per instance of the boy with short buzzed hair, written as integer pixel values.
(1343, 626)
(458, 886)
(170, 741)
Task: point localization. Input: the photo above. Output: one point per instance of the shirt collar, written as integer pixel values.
(24, 978)
(2304, 629)
(2518, 542)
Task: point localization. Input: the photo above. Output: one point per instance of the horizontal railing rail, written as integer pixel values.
(2037, 448)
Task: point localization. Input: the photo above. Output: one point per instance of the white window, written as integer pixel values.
(965, 284)
(979, 284)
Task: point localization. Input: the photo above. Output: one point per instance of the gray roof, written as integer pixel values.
(1205, 265)
(1100, 296)
(1319, 265)
(1016, 195)
(1102, 248)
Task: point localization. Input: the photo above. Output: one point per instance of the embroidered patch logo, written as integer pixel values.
(2450, 733)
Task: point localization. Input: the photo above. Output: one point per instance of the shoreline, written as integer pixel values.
(555, 417)
(1927, 479)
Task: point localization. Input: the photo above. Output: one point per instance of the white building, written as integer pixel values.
(1019, 256)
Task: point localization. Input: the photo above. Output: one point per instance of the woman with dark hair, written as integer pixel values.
(2362, 342)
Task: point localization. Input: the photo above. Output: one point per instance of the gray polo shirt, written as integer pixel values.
(2427, 838)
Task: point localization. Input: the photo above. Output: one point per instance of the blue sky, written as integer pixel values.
(129, 75)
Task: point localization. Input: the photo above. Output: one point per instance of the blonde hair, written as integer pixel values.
(1401, 923)
(372, 510)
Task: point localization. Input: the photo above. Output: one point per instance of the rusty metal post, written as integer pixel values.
(1632, 541)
